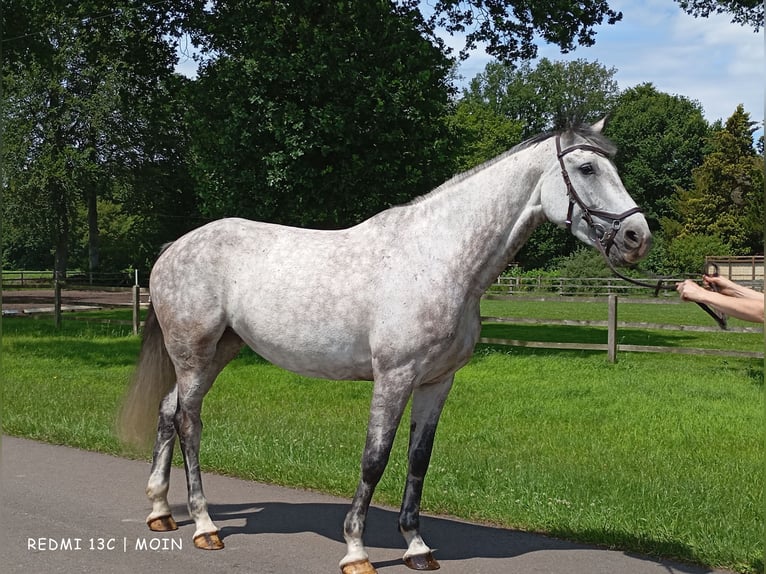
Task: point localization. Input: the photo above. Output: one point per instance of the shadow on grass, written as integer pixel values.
(94, 344)
(592, 335)
(452, 539)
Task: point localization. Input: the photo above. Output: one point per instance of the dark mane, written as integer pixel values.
(568, 136)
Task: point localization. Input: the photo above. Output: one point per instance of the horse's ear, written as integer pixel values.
(599, 126)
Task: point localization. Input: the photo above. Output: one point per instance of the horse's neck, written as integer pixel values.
(485, 218)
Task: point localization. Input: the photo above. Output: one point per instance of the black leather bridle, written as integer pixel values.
(605, 238)
(602, 238)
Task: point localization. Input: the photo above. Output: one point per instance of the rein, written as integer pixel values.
(603, 239)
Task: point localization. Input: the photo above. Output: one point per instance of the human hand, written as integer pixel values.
(721, 284)
(690, 291)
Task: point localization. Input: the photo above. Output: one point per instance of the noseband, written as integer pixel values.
(599, 234)
(604, 239)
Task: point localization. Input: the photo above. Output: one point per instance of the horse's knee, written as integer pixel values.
(187, 422)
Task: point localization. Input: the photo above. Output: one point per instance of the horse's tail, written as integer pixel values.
(153, 378)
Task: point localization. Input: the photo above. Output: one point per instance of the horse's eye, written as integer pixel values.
(586, 168)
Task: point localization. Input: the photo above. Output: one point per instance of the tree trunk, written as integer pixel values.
(62, 233)
(94, 253)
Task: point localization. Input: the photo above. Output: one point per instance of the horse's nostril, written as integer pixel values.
(633, 237)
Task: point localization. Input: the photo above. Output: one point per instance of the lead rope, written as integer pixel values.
(719, 318)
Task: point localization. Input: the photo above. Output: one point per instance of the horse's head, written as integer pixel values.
(582, 191)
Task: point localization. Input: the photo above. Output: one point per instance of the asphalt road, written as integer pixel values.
(69, 511)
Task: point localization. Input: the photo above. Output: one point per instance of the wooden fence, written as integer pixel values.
(510, 287)
(589, 286)
(739, 268)
(612, 346)
(746, 270)
(42, 279)
(136, 306)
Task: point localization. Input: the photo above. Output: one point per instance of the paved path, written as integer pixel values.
(69, 511)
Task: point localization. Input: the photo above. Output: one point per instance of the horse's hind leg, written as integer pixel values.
(189, 427)
(427, 404)
(195, 376)
(160, 519)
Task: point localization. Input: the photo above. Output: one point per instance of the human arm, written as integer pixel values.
(730, 288)
(733, 300)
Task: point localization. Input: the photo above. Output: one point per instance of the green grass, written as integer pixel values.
(658, 454)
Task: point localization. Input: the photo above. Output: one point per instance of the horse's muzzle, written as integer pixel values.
(634, 240)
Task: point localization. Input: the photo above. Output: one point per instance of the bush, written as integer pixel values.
(686, 253)
(584, 262)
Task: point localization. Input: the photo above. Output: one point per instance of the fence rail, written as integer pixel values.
(620, 347)
(509, 288)
(504, 285)
(612, 325)
(585, 286)
(46, 279)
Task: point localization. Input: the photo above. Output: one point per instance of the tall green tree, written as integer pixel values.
(76, 80)
(481, 133)
(317, 114)
(548, 96)
(726, 199)
(660, 139)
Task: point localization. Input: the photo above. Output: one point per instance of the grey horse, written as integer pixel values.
(394, 299)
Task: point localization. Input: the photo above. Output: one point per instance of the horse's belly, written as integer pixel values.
(314, 356)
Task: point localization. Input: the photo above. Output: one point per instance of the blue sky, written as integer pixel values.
(709, 60)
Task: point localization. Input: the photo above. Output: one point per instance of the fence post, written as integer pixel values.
(56, 301)
(612, 323)
(136, 306)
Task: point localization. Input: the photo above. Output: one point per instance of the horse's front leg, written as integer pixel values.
(160, 519)
(390, 395)
(427, 404)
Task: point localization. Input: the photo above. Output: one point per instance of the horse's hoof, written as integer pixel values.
(162, 524)
(208, 541)
(422, 562)
(358, 567)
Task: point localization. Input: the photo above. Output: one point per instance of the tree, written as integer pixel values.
(77, 78)
(481, 133)
(686, 253)
(510, 28)
(660, 139)
(726, 199)
(550, 96)
(745, 12)
(317, 114)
